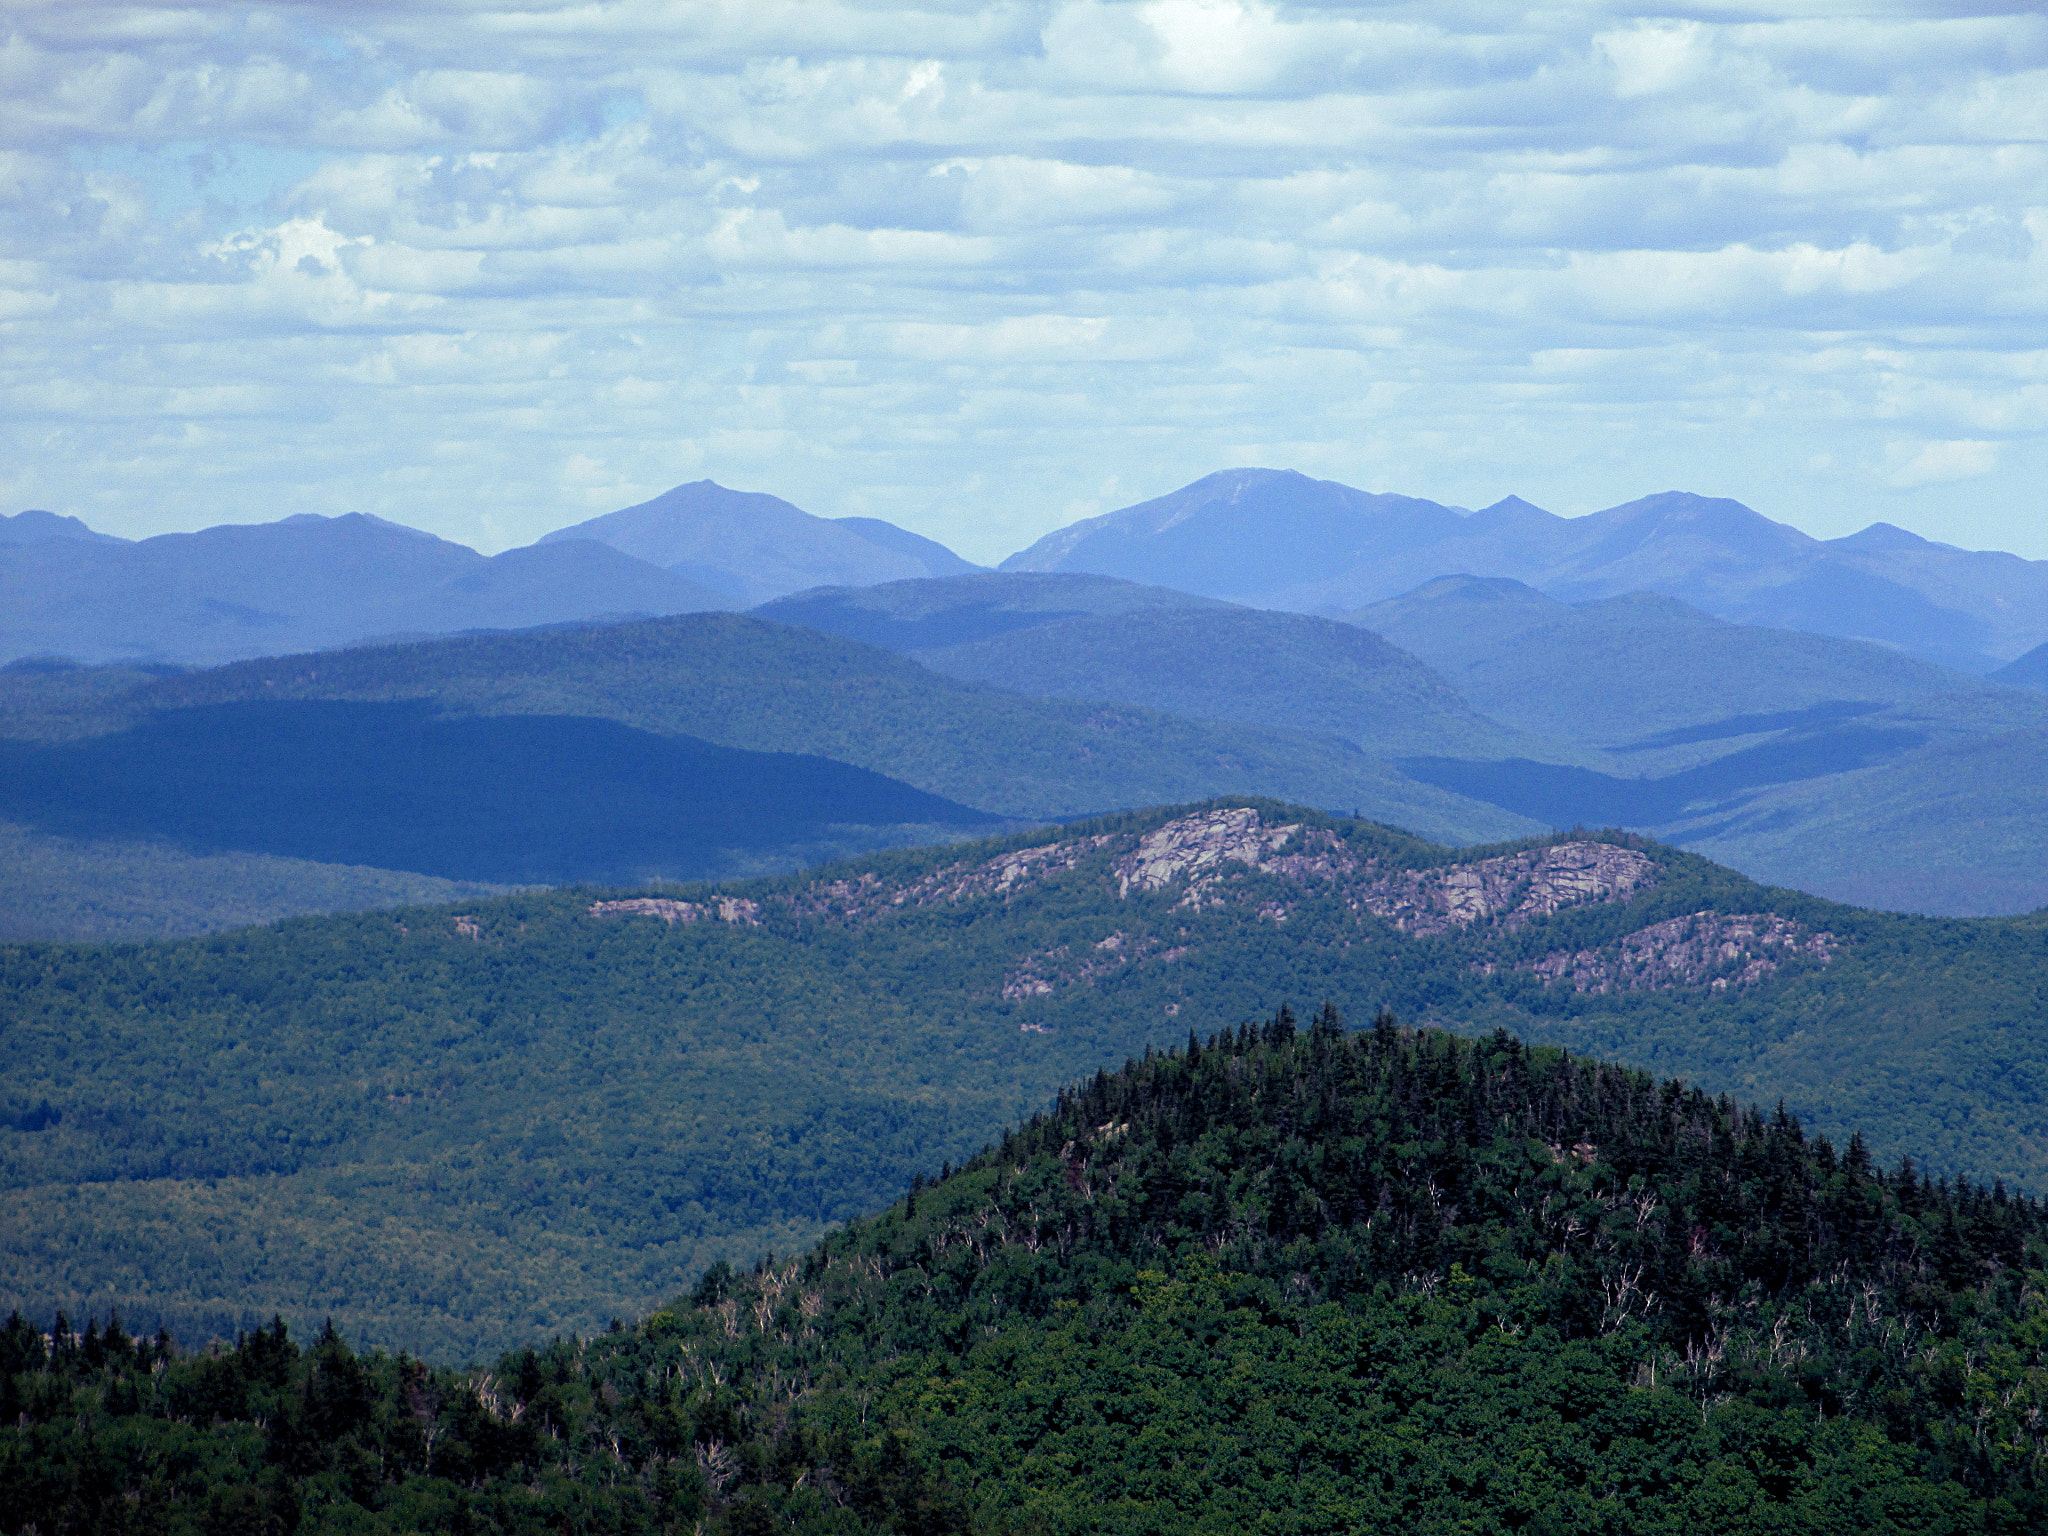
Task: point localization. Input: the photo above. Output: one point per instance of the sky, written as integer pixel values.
(493, 268)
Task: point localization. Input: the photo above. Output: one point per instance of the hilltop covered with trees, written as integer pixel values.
(1279, 1280)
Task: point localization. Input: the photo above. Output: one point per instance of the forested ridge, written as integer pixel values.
(454, 1129)
(1280, 1280)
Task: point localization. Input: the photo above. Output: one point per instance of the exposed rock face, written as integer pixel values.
(723, 909)
(1195, 849)
(1510, 889)
(1005, 875)
(1712, 949)
(1217, 859)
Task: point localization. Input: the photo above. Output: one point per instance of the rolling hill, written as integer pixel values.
(1279, 670)
(917, 616)
(749, 683)
(1634, 672)
(148, 801)
(504, 798)
(370, 1116)
(1094, 637)
(2028, 671)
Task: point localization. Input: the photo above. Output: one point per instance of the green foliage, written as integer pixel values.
(370, 1116)
(1279, 1280)
(126, 889)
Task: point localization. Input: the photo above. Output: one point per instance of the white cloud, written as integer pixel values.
(491, 267)
(1916, 464)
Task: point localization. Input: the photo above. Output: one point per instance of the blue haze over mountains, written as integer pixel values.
(1861, 717)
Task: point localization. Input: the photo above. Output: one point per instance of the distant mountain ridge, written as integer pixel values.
(307, 582)
(753, 547)
(304, 583)
(1279, 539)
(36, 526)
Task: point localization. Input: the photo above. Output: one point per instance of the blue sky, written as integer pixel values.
(982, 269)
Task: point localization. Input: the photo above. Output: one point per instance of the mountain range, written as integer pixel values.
(304, 583)
(312, 583)
(624, 751)
(610, 752)
(752, 547)
(1463, 705)
(1838, 766)
(1278, 539)
(1256, 537)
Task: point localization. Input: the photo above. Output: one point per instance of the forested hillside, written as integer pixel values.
(759, 686)
(1276, 1281)
(373, 1116)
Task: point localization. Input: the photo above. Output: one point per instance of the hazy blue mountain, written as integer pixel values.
(34, 526)
(753, 547)
(1056, 635)
(1277, 539)
(917, 616)
(1833, 765)
(1616, 672)
(1285, 670)
(1250, 535)
(940, 560)
(750, 684)
(2029, 671)
(300, 584)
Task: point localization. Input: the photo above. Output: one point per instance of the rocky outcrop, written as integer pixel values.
(1202, 850)
(721, 909)
(1211, 859)
(1717, 950)
(1510, 890)
(1005, 875)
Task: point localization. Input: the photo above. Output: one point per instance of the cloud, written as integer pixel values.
(1916, 464)
(491, 267)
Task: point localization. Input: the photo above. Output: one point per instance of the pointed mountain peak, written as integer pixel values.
(1514, 507)
(1885, 536)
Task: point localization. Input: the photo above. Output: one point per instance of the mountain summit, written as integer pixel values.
(753, 547)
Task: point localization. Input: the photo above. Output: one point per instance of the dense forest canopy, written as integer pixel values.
(370, 1117)
(1280, 1280)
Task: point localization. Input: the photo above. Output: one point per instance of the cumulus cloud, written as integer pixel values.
(490, 266)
